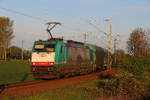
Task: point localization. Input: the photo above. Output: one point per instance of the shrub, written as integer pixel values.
(122, 83)
(134, 65)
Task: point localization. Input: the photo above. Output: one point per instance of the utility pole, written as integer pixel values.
(116, 41)
(109, 44)
(85, 37)
(109, 41)
(5, 49)
(22, 50)
(115, 59)
(5, 53)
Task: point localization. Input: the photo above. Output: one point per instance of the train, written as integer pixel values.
(55, 58)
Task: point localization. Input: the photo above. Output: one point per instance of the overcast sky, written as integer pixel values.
(75, 16)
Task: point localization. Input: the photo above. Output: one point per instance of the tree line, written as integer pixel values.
(137, 58)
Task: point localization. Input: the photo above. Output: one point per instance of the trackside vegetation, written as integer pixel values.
(130, 82)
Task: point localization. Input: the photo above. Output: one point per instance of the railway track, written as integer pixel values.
(19, 84)
(29, 88)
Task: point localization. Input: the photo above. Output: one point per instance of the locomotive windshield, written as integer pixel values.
(44, 48)
(39, 46)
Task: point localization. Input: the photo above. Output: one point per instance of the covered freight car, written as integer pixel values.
(98, 55)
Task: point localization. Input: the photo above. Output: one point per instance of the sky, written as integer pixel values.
(30, 18)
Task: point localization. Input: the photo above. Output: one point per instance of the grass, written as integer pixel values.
(14, 71)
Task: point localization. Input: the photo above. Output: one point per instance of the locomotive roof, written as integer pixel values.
(55, 39)
(75, 44)
(70, 43)
(52, 39)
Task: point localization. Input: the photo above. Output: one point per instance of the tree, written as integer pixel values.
(138, 43)
(6, 31)
(27, 54)
(6, 35)
(14, 52)
(148, 41)
(119, 55)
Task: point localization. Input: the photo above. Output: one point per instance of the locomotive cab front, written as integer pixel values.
(43, 59)
(43, 55)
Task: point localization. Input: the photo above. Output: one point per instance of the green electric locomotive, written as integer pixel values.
(55, 58)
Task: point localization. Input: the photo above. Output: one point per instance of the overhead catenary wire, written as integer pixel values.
(94, 26)
(23, 14)
(37, 18)
(44, 20)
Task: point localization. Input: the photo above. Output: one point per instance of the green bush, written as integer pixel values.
(134, 65)
(126, 83)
